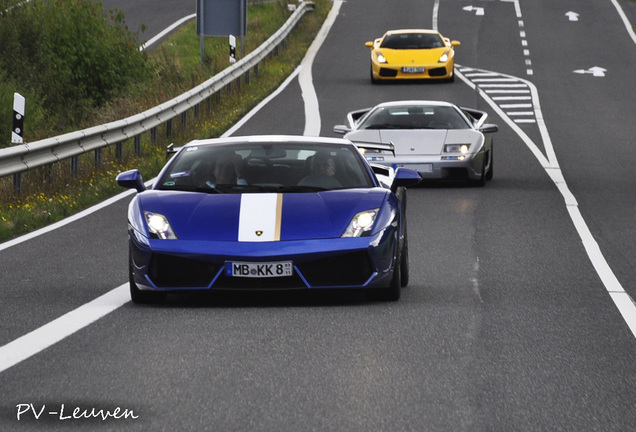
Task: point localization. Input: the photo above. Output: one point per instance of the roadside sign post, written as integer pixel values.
(17, 133)
(221, 18)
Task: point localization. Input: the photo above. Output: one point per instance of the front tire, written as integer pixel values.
(490, 171)
(373, 80)
(394, 290)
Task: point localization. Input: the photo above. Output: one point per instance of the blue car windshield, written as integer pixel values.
(415, 117)
(279, 167)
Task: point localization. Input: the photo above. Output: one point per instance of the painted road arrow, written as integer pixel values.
(596, 71)
(572, 16)
(478, 10)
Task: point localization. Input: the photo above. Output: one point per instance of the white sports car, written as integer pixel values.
(438, 139)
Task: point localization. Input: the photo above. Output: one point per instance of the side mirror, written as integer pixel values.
(455, 43)
(405, 177)
(341, 129)
(488, 128)
(369, 44)
(131, 180)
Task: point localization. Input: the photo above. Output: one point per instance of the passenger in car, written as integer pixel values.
(323, 170)
(228, 171)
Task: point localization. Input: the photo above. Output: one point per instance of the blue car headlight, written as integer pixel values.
(159, 227)
(361, 224)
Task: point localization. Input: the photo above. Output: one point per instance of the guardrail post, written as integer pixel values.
(137, 145)
(169, 128)
(197, 111)
(74, 165)
(247, 77)
(184, 119)
(119, 150)
(153, 135)
(17, 183)
(98, 157)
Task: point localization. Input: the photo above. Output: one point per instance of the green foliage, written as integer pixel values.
(70, 56)
(52, 193)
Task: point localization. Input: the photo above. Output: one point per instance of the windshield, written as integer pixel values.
(415, 117)
(412, 41)
(279, 167)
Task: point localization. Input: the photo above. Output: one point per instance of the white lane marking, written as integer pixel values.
(65, 221)
(32, 343)
(38, 340)
(262, 104)
(305, 79)
(154, 39)
(628, 25)
(617, 293)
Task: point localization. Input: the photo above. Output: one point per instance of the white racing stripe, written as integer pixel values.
(259, 217)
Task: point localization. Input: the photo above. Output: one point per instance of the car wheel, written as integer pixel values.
(139, 296)
(404, 266)
(481, 181)
(491, 157)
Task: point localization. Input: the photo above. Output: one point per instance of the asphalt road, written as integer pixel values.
(505, 326)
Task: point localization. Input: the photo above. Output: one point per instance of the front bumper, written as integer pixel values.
(434, 168)
(173, 265)
(394, 72)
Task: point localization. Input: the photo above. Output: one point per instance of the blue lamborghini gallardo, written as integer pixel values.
(268, 213)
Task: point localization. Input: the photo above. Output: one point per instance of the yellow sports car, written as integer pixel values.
(412, 54)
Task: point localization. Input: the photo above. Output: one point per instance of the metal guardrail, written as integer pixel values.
(20, 158)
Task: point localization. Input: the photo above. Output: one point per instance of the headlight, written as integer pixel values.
(381, 58)
(159, 227)
(361, 224)
(444, 57)
(456, 148)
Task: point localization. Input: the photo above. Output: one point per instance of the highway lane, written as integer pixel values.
(163, 14)
(488, 336)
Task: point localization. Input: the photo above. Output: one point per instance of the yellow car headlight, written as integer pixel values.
(380, 57)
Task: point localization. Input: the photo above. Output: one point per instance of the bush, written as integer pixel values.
(70, 56)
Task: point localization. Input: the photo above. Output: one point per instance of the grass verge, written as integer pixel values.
(52, 193)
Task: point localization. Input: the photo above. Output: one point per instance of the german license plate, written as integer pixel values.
(412, 69)
(424, 168)
(258, 270)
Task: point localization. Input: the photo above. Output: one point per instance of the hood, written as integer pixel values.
(420, 142)
(260, 216)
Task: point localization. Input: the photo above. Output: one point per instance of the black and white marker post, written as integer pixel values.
(17, 133)
(232, 49)
(18, 119)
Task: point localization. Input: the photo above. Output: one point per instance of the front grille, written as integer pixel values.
(173, 271)
(248, 283)
(389, 73)
(437, 72)
(348, 269)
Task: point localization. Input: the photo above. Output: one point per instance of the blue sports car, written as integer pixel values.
(268, 213)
